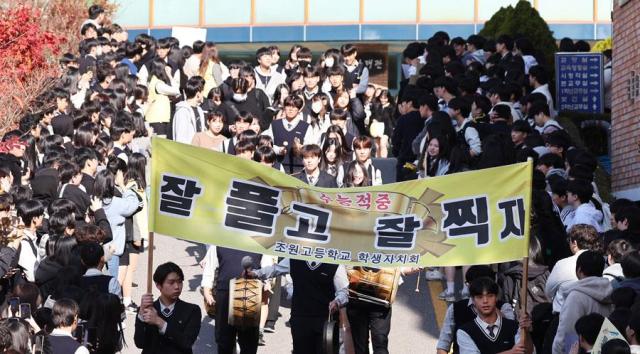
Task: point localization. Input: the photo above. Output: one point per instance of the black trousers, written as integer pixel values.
(226, 335)
(547, 346)
(274, 303)
(307, 334)
(369, 317)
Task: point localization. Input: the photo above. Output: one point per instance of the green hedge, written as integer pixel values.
(522, 20)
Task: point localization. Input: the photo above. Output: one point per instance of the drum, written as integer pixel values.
(245, 298)
(376, 286)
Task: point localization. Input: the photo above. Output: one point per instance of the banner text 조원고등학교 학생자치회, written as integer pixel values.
(477, 217)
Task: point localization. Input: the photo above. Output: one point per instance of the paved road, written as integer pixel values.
(414, 327)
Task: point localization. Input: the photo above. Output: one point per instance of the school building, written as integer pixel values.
(625, 104)
(248, 21)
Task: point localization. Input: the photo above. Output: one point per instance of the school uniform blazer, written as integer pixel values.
(325, 180)
(183, 327)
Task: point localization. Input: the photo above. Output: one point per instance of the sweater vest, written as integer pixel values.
(313, 289)
(291, 163)
(505, 338)
(230, 265)
(462, 314)
(460, 138)
(98, 283)
(159, 110)
(62, 344)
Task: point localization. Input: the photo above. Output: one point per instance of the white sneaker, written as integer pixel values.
(433, 274)
(446, 296)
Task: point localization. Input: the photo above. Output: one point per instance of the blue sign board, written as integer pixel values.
(580, 82)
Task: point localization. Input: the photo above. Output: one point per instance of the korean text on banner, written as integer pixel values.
(477, 217)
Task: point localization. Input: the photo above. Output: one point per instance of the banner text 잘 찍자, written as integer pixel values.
(477, 217)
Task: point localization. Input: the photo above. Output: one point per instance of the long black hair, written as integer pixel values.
(104, 186)
(157, 69)
(136, 169)
(102, 311)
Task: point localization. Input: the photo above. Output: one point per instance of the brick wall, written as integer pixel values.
(625, 133)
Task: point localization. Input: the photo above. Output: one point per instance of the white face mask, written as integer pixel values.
(239, 97)
(328, 62)
(408, 70)
(316, 107)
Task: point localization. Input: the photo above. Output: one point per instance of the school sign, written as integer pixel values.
(477, 217)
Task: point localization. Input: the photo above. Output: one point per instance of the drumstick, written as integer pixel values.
(418, 281)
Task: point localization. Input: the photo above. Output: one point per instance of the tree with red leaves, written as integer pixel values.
(27, 61)
(24, 42)
(33, 34)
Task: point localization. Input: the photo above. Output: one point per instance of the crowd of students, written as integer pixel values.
(74, 192)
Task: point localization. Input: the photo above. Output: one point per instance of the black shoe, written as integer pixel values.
(269, 328)
(261, 341)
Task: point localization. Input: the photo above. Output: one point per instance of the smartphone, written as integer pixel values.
(14, 304)
(79, 334)
(25, 310)
(49, 303)
(92, 337)
(38, 345)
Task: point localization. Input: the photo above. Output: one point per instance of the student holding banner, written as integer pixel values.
(463, 311)
(167, 325)
(490, 332)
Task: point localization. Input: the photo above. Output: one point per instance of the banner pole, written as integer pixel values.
(523, 293)
(524, 283)
(152, 219)
(150, 264)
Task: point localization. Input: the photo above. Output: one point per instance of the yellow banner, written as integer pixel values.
(477, 217)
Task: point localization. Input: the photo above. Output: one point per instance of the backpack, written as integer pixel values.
(511, 281)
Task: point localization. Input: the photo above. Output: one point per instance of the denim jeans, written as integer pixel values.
(112, 265)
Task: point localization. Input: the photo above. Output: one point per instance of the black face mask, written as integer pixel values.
(303, 64)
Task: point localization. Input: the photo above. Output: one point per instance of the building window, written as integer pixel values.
(633, 86)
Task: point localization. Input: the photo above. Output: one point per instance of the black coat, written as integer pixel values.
(45, 185)
(183, 327)
(325, 180)
(407, 128)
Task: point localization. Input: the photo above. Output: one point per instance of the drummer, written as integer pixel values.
(228, 262)
(319, 289)
(366, 317)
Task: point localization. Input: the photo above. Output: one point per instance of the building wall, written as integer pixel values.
(625, 135)
(243, 21)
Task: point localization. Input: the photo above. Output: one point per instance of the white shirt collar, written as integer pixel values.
(59, 332)
(294, 122)
(163, 307)
(92, 272)
(30, 234)
(483, 325)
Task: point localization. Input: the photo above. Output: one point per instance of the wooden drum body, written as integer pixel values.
(245, 299)
(376, 286)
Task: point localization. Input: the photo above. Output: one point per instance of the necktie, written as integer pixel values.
(312, 180)
(491, 329)
(288, 126)
(166, 312)
(198, 125)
